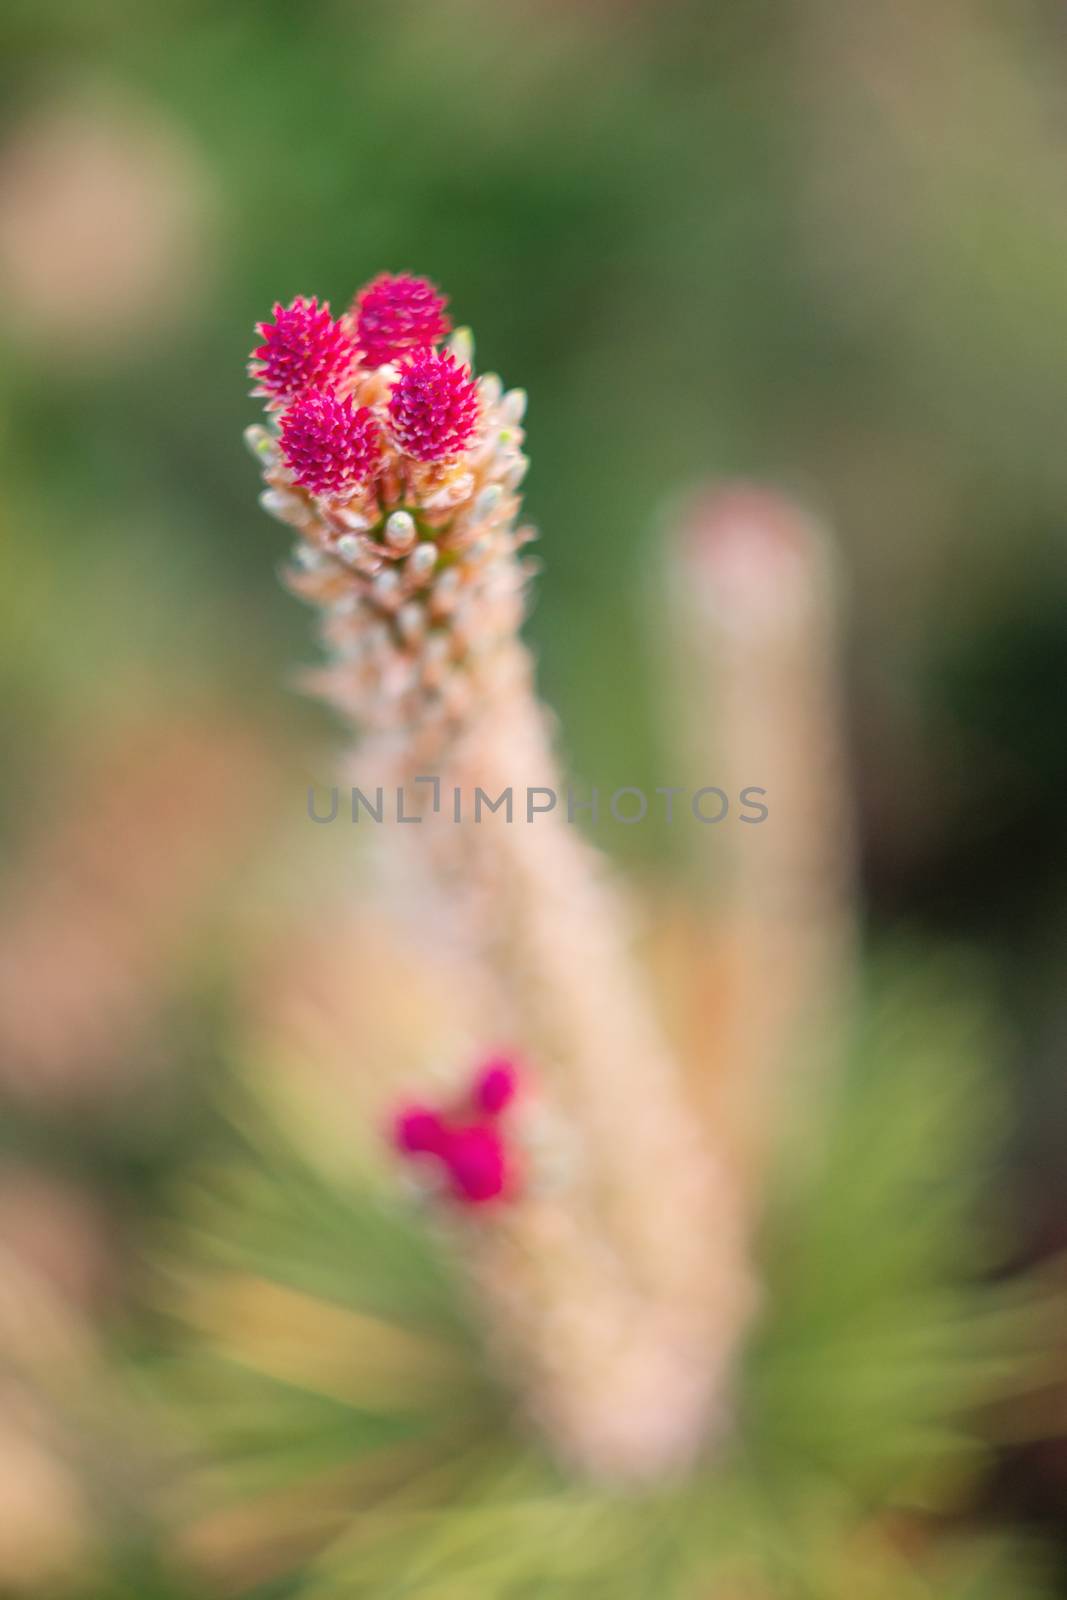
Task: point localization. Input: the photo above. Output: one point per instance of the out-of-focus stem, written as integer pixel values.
(754, 608)
(615, 1294)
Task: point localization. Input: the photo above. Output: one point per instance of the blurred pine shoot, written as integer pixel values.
(348, 1424)
(351, 1443)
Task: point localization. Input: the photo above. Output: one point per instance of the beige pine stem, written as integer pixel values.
(615, 1289)
(755, 608)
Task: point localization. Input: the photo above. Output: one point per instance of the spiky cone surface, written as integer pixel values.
(613, 1295)
(416, 571)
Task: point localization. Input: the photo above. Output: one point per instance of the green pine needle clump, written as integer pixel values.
(356, 1445)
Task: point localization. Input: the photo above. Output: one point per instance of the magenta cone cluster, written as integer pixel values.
(302, 348)
(468, 1140)
(433, 409)
(318, 372)
(329, 443)
(397, 314)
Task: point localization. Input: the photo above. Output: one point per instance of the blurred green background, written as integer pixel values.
(813, 243)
